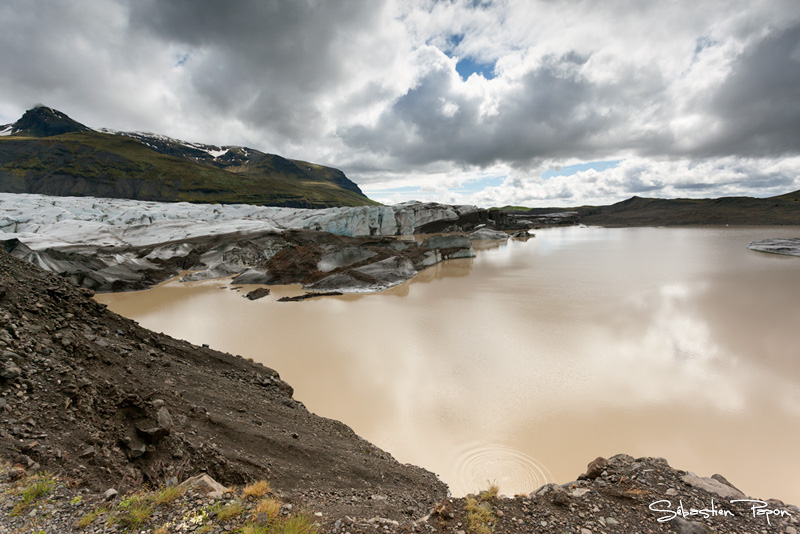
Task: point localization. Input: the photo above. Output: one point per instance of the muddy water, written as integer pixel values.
(523, 364)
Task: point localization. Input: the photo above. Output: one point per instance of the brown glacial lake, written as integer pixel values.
(523, 364)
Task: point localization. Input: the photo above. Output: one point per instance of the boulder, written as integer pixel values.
(9, 370)
(714, 486)
(205, 485)
(596, 468)
(163, 427)
(258, 293)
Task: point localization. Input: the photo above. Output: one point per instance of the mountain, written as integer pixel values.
(49, 153)
(638, 211)
(42, 121)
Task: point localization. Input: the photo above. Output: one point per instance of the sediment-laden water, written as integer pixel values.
(524, 363)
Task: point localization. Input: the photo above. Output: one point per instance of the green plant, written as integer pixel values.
(479, 515)
(133, 512)
(230, 511)
(38, 486)
(299, 524)
(89, 518)
(255, 529)
(134, 517)
(269, 507)
(167, 494)
(490, 494)
(76, 500)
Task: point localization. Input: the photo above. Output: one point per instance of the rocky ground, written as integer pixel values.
(91, 402)
(618, 495)
(89, 395)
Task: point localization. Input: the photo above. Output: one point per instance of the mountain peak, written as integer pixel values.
(42, 121)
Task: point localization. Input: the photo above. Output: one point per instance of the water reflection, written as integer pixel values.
(480, 464)
(537, 356)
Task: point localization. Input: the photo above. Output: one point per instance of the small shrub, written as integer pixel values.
(76, 500)
(256, 490)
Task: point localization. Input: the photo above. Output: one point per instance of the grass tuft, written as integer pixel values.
(479, 515)
(37, 487)
(256, 490)
(167, 494)
(133, 512)
(227, 513)
(269, 507)
(299, 524)
(134, 517)
(490, 494)
(90, 517)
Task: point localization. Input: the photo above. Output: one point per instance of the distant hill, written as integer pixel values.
(638, 211)
(47, 152)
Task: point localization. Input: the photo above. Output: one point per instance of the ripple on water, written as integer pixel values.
(514, 472)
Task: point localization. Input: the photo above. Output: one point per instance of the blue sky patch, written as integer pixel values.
(468, 66)
(569, 170)
(181, 60)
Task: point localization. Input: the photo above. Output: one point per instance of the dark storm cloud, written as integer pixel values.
(552, 111)
(263, 62)
(759, 103)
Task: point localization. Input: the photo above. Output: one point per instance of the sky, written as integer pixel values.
(512, 102)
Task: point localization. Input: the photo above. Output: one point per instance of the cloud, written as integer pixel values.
(668, 178)
(373, 87)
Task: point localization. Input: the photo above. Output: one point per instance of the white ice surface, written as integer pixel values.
(42, 221)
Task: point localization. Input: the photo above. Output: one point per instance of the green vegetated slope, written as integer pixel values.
(48, 153)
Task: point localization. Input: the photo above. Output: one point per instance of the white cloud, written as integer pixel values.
(701, 97)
